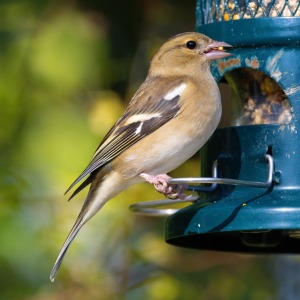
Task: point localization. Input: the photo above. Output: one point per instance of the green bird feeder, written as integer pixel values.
(249, 185)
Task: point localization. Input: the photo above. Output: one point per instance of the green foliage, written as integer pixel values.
(58, 97)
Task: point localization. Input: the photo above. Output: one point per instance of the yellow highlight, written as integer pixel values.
(107, 108)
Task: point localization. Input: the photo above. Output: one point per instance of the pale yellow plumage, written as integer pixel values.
(170, 117)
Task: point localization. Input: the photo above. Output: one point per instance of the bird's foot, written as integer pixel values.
(160, 182)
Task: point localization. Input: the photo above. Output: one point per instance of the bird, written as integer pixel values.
(169, 118)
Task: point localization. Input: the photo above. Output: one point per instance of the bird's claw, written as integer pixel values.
(175, 191)
(160, 182)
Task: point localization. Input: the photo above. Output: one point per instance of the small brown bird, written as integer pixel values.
(169, 118)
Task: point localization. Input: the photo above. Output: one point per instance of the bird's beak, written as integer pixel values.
(216, 50)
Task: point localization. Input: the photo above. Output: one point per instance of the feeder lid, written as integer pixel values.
(255, 32)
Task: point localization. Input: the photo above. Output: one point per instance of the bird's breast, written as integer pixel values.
(173, 143)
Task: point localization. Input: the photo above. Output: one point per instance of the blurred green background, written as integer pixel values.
(67, 70)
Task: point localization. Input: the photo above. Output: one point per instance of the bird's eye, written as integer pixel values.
(191, 45)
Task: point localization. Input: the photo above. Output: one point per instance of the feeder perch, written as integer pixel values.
(249, 198)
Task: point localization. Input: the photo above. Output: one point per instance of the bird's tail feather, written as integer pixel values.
(75, 229)
(100, 192)
(84, 215)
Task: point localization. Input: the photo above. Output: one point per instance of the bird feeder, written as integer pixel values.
(250, 172)
(254, 203)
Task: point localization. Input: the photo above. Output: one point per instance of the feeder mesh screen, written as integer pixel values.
(225, 10)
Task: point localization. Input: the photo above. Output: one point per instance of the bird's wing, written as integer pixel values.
(142, 117)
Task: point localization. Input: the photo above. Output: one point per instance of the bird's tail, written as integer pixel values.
(75, 229)
(98, 195)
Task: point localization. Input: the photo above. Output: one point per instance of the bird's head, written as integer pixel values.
(187, 51)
